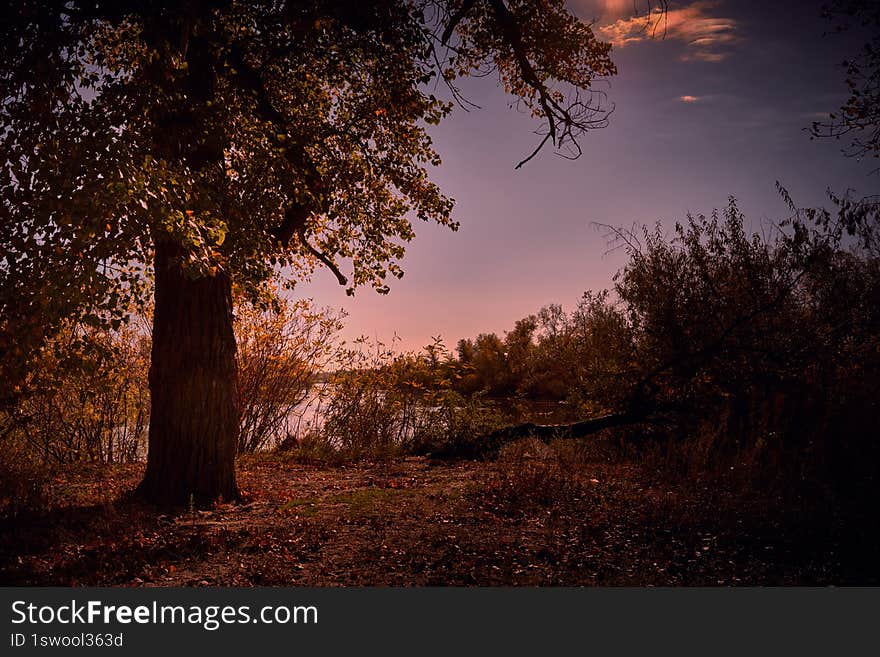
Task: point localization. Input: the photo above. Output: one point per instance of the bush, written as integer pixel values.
(531, 476)
(85, 399)
(381, 404)
(281, 353)
(23, 482)
(450, 422)
(764, 353)
(372, 405)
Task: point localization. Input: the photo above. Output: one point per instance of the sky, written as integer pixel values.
(714, 104)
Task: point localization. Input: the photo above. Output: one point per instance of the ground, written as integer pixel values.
(525, 520)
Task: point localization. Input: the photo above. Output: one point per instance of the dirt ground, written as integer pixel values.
(529, 521)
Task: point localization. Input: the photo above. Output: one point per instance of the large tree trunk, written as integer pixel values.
(193, 388)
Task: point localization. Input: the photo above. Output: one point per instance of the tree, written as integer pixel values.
(857, 120)
(724, 344)
(859, 116)
(191, 147)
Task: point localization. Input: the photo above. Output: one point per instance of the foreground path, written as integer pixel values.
(531, 520)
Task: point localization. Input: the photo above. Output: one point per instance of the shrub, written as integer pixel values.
(371, 406)
(23, 482)
(85, 399)
(281, 353)
(531, 476)
(764, 351)
(449, 422)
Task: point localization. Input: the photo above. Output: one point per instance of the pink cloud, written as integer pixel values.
(706, 36)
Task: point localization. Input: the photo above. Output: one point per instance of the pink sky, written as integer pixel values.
(716, 108)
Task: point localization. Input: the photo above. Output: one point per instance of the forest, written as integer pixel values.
(173, 412)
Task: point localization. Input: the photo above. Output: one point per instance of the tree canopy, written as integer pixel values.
(261, 138)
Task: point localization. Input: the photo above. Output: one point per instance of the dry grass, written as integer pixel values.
(539, 515)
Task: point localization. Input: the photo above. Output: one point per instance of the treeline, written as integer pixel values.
(726, 346)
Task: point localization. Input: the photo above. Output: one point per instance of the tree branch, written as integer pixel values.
(295, 216)
(455, 20)
(510, 28)
(323, 257)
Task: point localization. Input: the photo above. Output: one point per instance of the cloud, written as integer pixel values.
(605, 10)
(707, 37)
(690, 99)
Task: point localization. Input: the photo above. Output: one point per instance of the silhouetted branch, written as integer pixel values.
(323, 257)
(455, 19)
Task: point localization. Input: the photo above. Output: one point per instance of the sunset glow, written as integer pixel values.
(305, 294)
(529, 237)
(700, 25)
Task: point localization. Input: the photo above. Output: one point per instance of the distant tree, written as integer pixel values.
(518, 346)
(489, 364)
(465, 351)
(186, 147)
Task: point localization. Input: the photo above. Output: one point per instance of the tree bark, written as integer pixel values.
(193, 388)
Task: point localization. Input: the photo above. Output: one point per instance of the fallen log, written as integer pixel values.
(489, 445)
